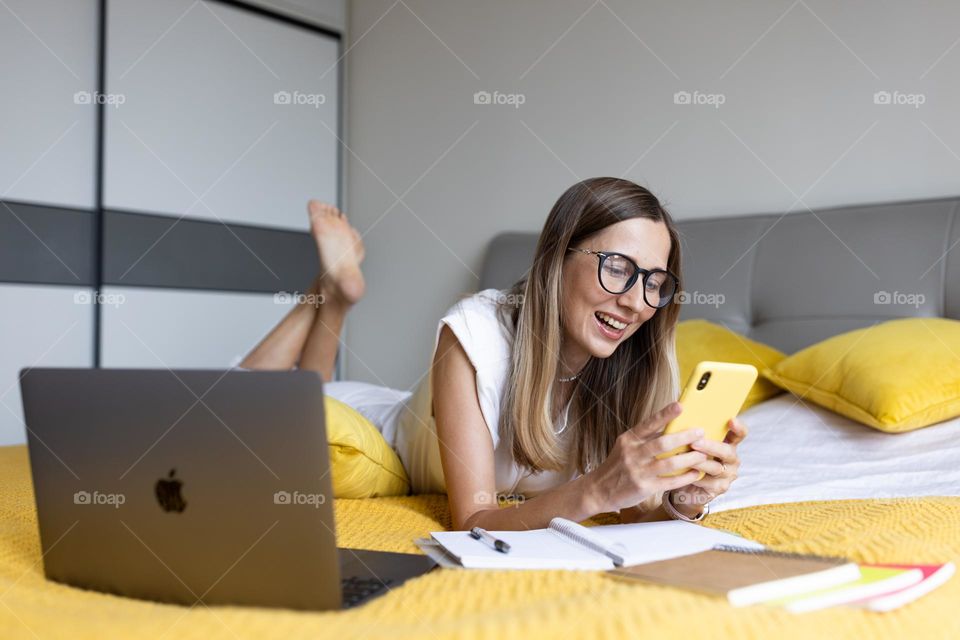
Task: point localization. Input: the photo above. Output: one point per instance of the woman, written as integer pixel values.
(553, 393)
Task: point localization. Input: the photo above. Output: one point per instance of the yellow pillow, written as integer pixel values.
(699, 340)
(362, 464)
(894, 376)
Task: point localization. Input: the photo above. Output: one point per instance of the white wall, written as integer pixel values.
(799, 120)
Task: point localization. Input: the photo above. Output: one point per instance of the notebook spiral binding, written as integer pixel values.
(573, 534)
(778, 554)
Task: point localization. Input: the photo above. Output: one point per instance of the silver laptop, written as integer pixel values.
(195, 487)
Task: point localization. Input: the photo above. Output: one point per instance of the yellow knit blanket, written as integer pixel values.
(501, 604)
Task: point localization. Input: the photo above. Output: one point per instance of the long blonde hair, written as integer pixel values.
(612, 394)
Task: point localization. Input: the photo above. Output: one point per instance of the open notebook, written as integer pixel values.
(568, 545)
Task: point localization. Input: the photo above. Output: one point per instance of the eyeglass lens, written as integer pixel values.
(617, 275)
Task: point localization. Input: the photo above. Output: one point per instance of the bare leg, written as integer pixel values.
(281, 348)
(323, 341)
(310, 333)
(340, 283)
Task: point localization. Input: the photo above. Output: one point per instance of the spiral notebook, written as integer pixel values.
(746, 575)
(568, 545)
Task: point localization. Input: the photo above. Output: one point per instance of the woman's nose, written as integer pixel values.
(633, 299)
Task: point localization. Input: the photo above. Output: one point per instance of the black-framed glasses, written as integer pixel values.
(618, 273)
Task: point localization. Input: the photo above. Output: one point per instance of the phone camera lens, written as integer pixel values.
(703, 381)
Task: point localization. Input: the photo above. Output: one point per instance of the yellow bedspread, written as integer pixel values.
(500, 604)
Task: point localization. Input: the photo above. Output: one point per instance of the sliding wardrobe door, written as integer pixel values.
(60, 334)
(226, 121)
(175, 328)
(48, 64)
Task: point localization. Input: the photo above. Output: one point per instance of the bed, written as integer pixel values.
(811, 480)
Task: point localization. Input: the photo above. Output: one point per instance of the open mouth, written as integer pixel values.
(610, 326)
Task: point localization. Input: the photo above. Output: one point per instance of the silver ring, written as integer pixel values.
(724, 467)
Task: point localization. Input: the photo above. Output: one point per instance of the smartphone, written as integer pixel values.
(713, 395)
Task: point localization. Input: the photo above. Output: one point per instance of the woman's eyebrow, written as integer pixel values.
(623, 253)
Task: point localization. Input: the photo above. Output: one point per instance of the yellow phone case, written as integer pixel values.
(711, 407)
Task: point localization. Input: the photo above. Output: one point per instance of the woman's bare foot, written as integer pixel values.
(341, 251)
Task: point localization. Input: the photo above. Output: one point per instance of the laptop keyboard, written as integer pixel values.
(357, 590)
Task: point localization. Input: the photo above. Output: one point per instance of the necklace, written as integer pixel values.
(574, 376)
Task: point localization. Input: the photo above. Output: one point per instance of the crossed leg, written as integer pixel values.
(309, 334)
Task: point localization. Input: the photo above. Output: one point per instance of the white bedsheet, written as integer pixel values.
(797, 451)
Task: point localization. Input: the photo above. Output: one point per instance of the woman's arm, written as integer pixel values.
(630, 474)
(466, 453)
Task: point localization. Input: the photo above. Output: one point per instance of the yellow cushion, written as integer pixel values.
(894, 376)
(362, 464)
(699, 340)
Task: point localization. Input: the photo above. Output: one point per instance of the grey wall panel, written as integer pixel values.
(48, 63)
(227, 114)
(160, 251)
(42, 326)
(46, 245)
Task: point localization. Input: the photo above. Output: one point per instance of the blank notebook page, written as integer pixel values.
(537, 549)
(546, 549)
(652, 541)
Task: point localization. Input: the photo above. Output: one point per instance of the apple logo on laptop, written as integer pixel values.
(168, 493)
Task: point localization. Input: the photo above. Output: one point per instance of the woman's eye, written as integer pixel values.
(617, 272)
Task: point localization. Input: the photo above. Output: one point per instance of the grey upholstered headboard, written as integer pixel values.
(793, 280)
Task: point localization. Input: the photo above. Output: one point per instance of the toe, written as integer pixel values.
(320, 208)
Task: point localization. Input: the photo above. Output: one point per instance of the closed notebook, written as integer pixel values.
(873, 581)
(568, 545)
(744, 575)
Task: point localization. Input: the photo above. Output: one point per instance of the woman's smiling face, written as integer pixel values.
(588, 310)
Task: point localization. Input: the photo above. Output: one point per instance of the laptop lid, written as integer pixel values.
(184, 486)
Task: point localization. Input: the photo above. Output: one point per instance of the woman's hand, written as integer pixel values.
(632, 473)
(720, 470)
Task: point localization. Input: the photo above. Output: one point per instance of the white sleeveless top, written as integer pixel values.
(475, 323)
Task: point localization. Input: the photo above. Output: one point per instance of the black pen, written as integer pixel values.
(481, 534)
